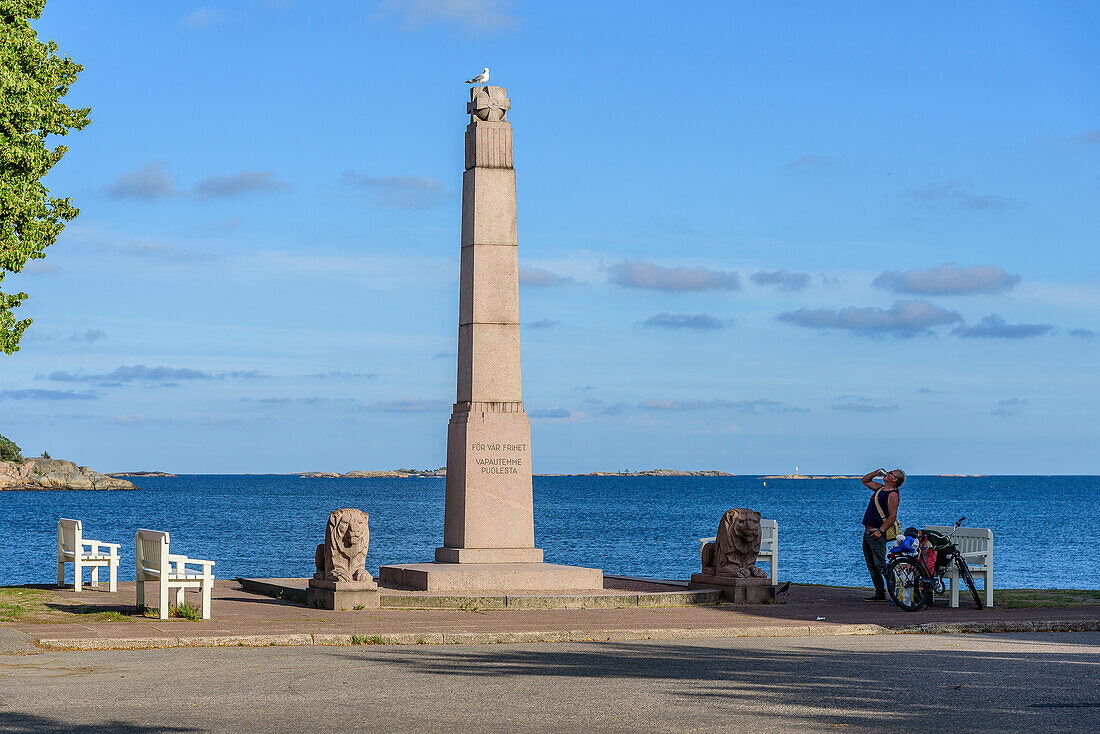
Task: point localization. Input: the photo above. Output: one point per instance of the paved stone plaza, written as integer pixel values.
(253, 619)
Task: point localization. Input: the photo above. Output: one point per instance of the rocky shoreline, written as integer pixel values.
(40, 473)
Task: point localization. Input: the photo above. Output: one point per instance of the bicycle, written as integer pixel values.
(913, 579)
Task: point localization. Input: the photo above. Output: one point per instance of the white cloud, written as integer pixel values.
(234, 184)
(657, 277)
(783, 280)
(150, 182)
(948, 279)
(541, 278)
(994, 327)
(903, 319)
(699, 321)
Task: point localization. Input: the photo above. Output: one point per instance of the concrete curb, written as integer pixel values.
(462, 638)
(592, 635)
(935, 628)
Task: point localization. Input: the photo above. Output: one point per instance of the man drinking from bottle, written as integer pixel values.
(882, 511)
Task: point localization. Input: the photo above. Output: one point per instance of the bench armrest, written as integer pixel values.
(983, 555)
(95, 545)
(181, 561)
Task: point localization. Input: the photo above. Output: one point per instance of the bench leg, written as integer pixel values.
(179, 597)
(78, 574)
(207, 586)
(60, 573)
(988, 577)
(162, 592)
(140, 596)
(112, 575)
(95, 576)
(955, 582)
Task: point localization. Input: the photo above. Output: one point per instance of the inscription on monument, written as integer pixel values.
(498, 458)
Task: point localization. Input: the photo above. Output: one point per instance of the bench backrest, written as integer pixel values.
(969, 540)
(69, 535)
(769, 532)
(151, 553)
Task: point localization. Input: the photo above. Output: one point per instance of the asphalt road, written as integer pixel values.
(1046, 682)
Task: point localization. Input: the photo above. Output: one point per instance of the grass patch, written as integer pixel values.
(28, 604)
(18, 603)
(359, 607)
(187, 610)
(364, 640)
(1033, 598)
(94, 614)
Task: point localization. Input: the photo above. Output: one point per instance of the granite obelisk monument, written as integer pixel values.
(488, 526)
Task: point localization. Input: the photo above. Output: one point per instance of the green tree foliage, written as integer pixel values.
(9, 451)
(33, 79)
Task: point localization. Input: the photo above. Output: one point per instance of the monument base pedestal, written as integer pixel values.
(342, 595)
(488, 555)
(496, 577)
(737, 590)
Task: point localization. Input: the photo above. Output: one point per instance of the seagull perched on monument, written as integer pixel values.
(480, 78)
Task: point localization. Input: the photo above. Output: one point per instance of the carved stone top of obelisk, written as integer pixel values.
(489, 134)
(488, 104)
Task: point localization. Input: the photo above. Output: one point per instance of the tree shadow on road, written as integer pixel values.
(824, 686)
(12, 722)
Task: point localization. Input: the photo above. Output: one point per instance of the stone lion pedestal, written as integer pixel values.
(729, 561)
(342, 595)
(737, 590)
(342, 582)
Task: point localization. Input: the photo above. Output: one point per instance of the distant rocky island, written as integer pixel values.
(42, 473)
(442, 472)
(648, 473)
(380, 474)
(140, 474)
(807, 476)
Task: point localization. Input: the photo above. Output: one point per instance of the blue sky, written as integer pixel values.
(838, 236)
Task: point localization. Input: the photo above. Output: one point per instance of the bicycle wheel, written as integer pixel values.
(906, 584)
(964, 574)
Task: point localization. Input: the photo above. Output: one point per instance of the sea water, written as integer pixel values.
(1045, 528)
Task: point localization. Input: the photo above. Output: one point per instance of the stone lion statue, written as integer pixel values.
(342, 557)
(733, 552)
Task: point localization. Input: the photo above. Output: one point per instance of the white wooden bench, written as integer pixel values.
(976, 547)
(769, 546)
(153, 562)
(71, 549)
